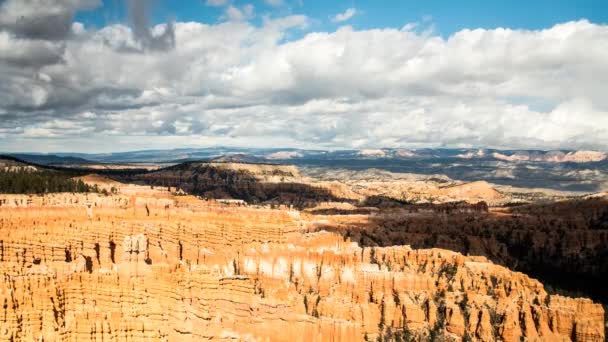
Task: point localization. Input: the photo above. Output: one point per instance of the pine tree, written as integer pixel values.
(27, 182)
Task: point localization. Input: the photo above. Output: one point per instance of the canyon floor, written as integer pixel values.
(237, 252)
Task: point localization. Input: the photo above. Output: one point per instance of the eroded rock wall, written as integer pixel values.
(189, 270)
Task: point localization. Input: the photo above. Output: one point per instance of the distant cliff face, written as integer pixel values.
(554, 156)
(254, 183)
(283, 184)
(10, 164)
(144, 267)
(564, 243)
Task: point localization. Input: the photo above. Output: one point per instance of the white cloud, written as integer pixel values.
(246, 12)
(274, 2)
(341, 17)
(41, 19)
(409, 26)
(216, 3)
(237, 83)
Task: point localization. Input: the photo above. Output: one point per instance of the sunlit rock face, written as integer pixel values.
(156, 267)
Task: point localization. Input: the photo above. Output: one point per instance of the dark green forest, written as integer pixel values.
(40, 182)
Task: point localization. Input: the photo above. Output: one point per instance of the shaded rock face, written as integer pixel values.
(252, 183)
(200, 271)
(563, 243)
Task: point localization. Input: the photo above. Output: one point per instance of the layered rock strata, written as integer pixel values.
(179, 269)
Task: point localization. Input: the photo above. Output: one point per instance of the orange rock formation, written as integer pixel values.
(154, 267)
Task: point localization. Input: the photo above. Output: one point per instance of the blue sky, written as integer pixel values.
(447, 16)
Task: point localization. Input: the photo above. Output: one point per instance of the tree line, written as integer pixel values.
(40, 182)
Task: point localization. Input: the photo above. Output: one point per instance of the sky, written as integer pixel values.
(119, 75)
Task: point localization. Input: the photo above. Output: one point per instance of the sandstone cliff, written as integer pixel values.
(152, 267)
(561, 243)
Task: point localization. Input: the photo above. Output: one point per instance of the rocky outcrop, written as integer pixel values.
(562, 243)
(199, 270)
(554, 156)
(9, 164)
(472, 192)
(254, 183)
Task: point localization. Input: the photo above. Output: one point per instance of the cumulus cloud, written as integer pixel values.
(340, 17)
(139, 11)
(349, 88)
(234, 13)
(25, 52)
(41, 19)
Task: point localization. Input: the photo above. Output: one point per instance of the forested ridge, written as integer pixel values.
(40, 182)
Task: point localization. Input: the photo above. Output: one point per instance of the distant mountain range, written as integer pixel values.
(281, 155)
(51, 159)
(581, 171)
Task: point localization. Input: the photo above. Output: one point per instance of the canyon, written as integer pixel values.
(261, 252)
(150, 265)
(563, 243)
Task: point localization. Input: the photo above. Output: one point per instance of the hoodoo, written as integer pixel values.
(149, 266)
